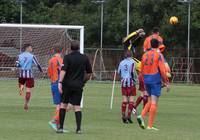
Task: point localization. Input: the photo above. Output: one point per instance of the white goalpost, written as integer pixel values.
(43, 39)
(113, 90)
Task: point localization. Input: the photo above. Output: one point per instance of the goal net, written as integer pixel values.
(43, 39)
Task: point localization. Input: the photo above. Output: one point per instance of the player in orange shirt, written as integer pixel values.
(155, 35)
(147, 46)
(54, 69)
(154, 74)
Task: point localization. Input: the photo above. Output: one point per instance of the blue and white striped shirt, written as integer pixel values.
(25, 62)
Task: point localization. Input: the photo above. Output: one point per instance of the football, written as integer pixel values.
(173, 20)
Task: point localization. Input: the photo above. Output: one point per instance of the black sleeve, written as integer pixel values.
(88, 67)
(65, 64)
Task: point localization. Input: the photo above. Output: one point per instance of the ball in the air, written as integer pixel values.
(173, 20)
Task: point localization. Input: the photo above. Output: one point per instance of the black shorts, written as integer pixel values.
(72, 96)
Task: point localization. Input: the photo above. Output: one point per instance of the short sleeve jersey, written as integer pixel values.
(76, 65)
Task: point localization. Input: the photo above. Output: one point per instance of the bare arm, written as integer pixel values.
(62, 75)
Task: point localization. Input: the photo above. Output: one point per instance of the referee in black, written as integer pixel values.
(75, 72)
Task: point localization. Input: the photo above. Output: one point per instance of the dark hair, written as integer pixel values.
(127, 53)
(26, 46)
(155, 30)
(75, 45)
(154, 43)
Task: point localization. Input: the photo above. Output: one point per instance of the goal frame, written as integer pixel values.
(81, 28)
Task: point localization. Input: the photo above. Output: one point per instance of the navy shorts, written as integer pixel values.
(55, 93)
(153, 89)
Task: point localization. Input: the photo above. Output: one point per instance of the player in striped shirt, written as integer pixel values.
(24, 63)
(54, 69)
(126, 70)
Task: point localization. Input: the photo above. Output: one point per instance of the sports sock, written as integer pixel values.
(62, 117)
(145, 100)
(152, 115)
(78, 116)
(56, 116)
(146, 109)
(138, 101)
(130, 108)
(28, 96)
(123, 108)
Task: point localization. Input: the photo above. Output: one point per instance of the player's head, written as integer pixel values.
(128, 53)
(155, 30)
(57, 49)
(154, 43)
(27, 47)
(75, 46)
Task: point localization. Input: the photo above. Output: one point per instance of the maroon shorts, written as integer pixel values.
(28, 81)
(141, 83)
(129, 91)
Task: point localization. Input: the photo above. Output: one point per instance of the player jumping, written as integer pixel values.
(154, 74)
(155, 35)
(24, 62)
(126, 70)
(146, 47)
(54, 69)
(130, 43)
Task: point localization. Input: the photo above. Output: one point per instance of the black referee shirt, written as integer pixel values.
(75, 64)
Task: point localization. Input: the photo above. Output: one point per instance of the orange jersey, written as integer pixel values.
(147, 42)
(153, 67)
(54, 68)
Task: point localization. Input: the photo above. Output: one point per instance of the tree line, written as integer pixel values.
(143, 14)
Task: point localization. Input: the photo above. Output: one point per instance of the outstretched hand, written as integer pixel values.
(141, 32)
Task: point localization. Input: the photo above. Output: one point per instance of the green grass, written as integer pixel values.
(178, 115)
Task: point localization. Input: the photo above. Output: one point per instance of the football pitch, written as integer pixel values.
(178, 115)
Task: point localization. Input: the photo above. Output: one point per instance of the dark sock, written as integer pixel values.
(138, 101)
(62, 117)
(78, 115)
(145, 100)
(123, 108)
(130, 108)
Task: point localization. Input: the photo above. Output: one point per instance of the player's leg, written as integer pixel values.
(62, 114)
(65, 97)
(146, 109)
(76, 101)
(145, 98)
(29, 85)
(156, 92)
(21, 82)
(152, 111)
(131, 105)
(142, 89)
(56, 100)
(124, 105)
